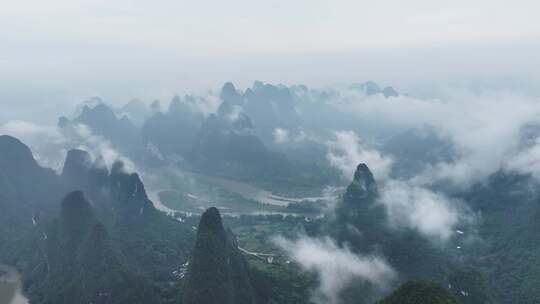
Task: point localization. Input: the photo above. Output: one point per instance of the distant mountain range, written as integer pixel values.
(89, 233)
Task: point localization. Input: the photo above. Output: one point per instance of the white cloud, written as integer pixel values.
(408, 203)
(347, 151)
(281, 136)
(483, 127)
(336, 267)
(284, 136)
(235, 112)
(29, 131)
(49, 144)
(431, 214)
(527, 160)
(81, 136)
(45, 141)
(208, 104)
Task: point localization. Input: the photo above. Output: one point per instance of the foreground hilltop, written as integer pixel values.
(106, 227)
(420, 292)
(217, 273)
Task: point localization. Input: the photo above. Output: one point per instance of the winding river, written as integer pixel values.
(10, 286)
(155, 184)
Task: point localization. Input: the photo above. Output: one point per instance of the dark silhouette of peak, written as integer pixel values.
(83, 266)
(138, 186)
(14, 155)
(98, 174)
(100, 163)
(231, 237)
(130, 183)
(363, 173)
(26, 189)
(227, 144)
(155, 106)
(103, 121)
(77, 164)
(75, 206)
(172, 132)
(228, 89)
(77, 170)
(33, 183)
(100, 113)
(357, 207)
(372, 88)
(76, 218)
(390, 92)
(63, 122)
(225, 108)
(270, 107)
(128, 193)
(175, 100)
(136, 110)
(81, 173)
(363, 184)
(217, 272)
(106, 115)
(420, 292)
(277, 93)
(135, 106)
(211, 223)
(230, 94)
(181, 108)
(118, 167)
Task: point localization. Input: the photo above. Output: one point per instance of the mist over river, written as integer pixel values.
(10, 286)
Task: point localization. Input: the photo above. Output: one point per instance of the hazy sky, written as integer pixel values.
(61, 51)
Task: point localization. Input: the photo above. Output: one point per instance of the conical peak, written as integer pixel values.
(363, 173)
(211, 220)
(15, 153)
(76, 161)
(75, 201)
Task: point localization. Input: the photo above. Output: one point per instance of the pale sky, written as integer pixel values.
(61, 51)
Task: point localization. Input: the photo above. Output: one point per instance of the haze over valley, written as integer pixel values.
(269, 153)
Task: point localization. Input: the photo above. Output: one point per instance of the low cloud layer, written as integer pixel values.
(410, 203)
(484, 128)
(80, 136)
(431, 214)
(347, 150)
(46, 142)
(284, 136)
(487, 131)
(527, 160)
(336, 267)
(50, 144)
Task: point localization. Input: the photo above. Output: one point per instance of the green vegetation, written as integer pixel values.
(121, 243)
(120, 249)
(281, 281)
(361, 223)
(508, 258)
(420, 292)
(79, 263)
(217, 271)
